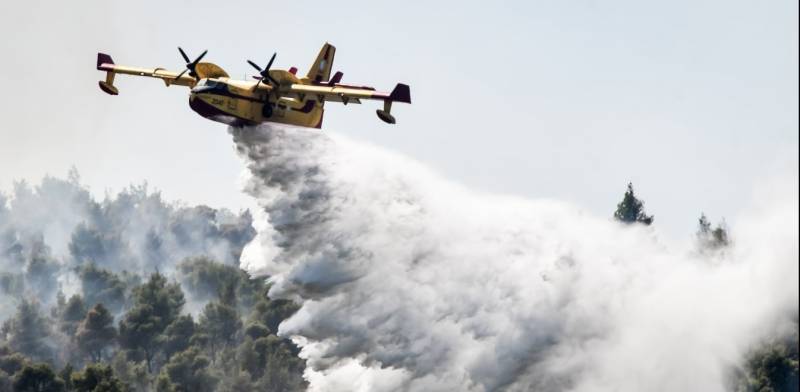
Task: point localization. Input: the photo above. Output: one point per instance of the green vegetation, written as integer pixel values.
(142, 296)
(156, 346)
(771, 367)
(631, 210)
(709, 239)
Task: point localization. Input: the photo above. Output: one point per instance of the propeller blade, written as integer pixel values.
(180, 74)
(254, 65)
(273, 80)
(200, 57)
(185, 57)
(269, 65)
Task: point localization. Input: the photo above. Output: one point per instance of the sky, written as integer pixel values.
(695, 102)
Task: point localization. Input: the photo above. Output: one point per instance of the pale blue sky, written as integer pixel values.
(693, 101)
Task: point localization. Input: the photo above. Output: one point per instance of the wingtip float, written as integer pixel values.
(274, 96)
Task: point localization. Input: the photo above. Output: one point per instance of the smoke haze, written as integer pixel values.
(410, 282)
(51, 231)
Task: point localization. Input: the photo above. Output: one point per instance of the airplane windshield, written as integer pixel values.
(210, 85)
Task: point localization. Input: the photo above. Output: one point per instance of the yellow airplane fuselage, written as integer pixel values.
(236, 103)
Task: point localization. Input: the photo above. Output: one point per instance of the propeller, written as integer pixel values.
(265, 72)
(190, 65)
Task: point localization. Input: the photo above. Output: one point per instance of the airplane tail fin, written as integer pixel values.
(105, 63)
(103, 58)
(321, 69)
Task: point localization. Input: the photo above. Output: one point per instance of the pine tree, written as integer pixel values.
(157, 304)
(102, 286)
(178, 335)
(27, 331)
(220, 321)
(71, 316)
(96, 332)
(96, 378)
(631, 210)
(188, 371)
(708, 239)
(37, 378)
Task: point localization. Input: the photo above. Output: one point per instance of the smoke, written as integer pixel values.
(56, 236)
(410, 282)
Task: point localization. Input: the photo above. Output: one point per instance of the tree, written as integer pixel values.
(37, 378)
(96, 332)
(188, 371)
(204, 279)
(163, 384)
(709, 239)
(772, 366)
(11, 362)
(28, 331)
(140, 330)
(178, 335)
(273, 358)
(101, 286)
(72, 314)
(241, 381)
(220, 323)
(42, 270)
(166, 298)
(280, 377)
(271, 313)
(133, 374)
(66, 375)
(631, 210)
(256, 330)
(157, 304)
(97, 378)
(88, 244)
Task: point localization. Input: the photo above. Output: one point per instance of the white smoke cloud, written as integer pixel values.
(409, 282)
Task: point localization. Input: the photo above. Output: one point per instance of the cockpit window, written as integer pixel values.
(210, 85)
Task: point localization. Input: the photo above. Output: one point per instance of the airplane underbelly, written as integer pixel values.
(227, 110)
(239, 111)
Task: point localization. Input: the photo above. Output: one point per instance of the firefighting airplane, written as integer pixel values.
(274, 96)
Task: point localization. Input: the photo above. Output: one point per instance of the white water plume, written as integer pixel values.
(410, 282)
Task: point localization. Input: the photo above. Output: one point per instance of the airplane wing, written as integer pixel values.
(348, 94)
(351, 94)
(105, 63)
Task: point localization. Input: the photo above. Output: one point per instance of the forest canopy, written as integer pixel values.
(133, 293)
